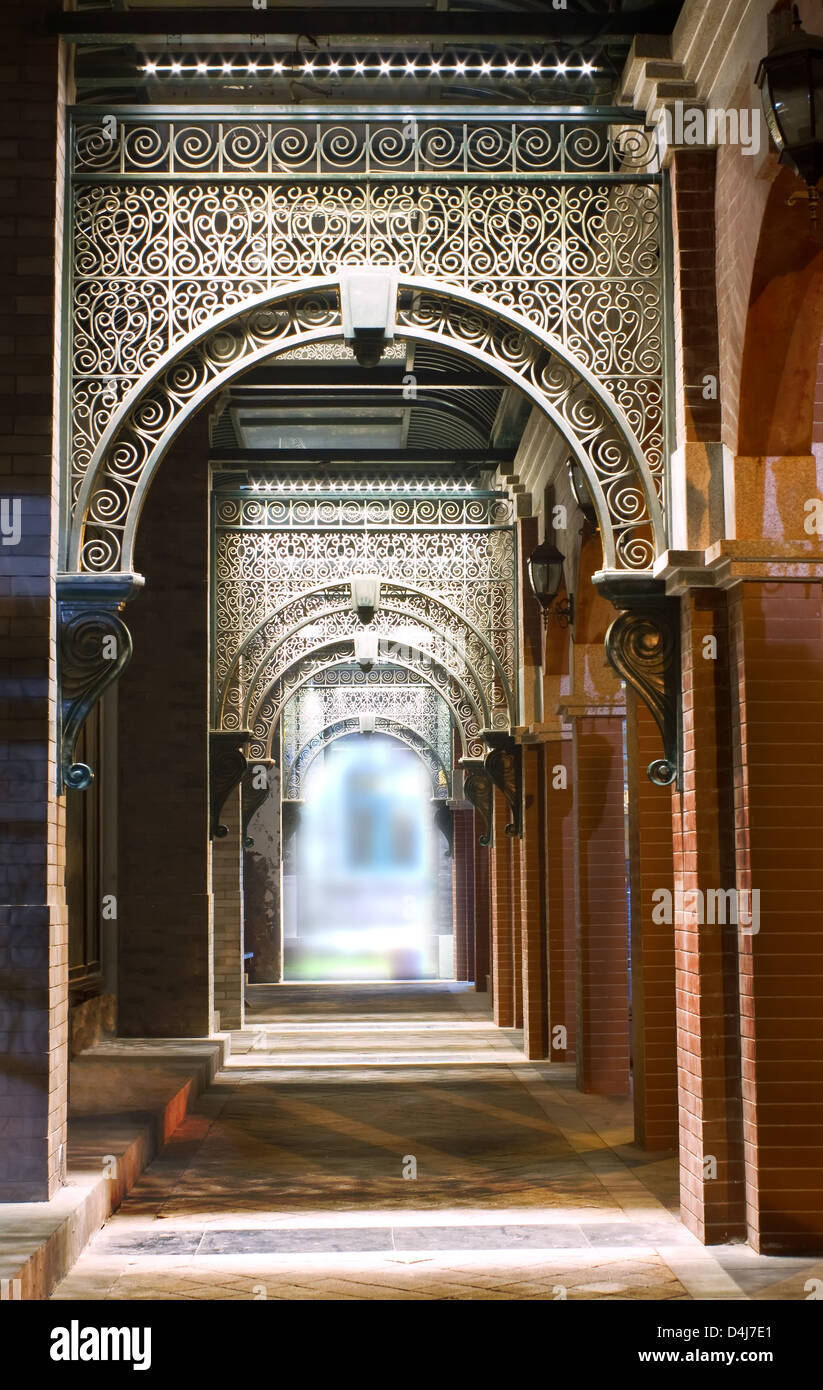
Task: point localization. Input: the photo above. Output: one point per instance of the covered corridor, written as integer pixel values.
(388, 1142)
(411, 651)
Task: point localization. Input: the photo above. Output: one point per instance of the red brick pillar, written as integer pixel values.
(468, 872)
(165, 965)
(33, 917)
(533, 925)
(602, 910)
(227, 891)
(482, 908)
(777, 656)
(460, 902)
(708, 1009)
(261, 884)
(500, 885)
(516, 930)
(654, 1030)
(560, 898)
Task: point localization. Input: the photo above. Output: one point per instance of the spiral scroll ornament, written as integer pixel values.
(94, 647)
(227, 767)
(643, 646)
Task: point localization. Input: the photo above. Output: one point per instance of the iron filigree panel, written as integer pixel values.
(551, 146)
(178, 222)
(300, 766)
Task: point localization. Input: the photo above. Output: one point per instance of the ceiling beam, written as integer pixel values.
(383, 378)
(310, 458)
(407, 23)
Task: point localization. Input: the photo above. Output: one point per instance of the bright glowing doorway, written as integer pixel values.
(367, 884)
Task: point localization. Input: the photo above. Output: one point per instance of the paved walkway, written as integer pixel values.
(387, 1142)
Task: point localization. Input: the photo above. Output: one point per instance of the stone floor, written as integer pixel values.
(387, 1142)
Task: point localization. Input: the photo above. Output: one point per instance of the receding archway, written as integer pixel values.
(361, 871)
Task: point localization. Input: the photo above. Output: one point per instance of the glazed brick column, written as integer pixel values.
(460, 904)
(482, 908)
(706, 958)
(227, 893)
(33, 916)
(560, 898)
(777, 653)
(533, 905)
(654, 1030)
(601, 908)
(697, 499)
(694, 175)
(516, 930)
(261, 888)
(468, 870)
(500, 893)
(165, 902)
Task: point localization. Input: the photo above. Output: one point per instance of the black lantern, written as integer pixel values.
(790, 79)
(545, 576)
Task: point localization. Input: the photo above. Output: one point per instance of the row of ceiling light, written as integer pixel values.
(358, 485)
(377, 67)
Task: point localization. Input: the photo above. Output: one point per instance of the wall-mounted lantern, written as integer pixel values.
(365, 650)
(545, 576)
(365, 596)
(790, 79)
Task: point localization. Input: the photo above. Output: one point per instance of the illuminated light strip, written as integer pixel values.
(383, 67)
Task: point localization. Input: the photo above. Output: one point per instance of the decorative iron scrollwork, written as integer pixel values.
(504, 764)
(643, 646)
(444, 820)
(227, 764)
(479, 790)
(94, 648)
(254, 790)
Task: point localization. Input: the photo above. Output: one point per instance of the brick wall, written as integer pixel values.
(740, 202)
(708, 1011)
(500, 896)
(33, 922)
(482, 907)
(654, 1035)
(560, 898)
(533, 927)
(515, 928)
(777, 638)
(602, 925)
(165, 902)
(693, 194)
(227, 895)
(463, 894)
(261, 889)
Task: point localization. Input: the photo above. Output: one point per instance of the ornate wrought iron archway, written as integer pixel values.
(271, 702)
(333, 626)
(298, 769)
(460, 638)
(527, 242)
(142, 428)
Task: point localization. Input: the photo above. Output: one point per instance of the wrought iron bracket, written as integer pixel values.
(444, 820)
(478, 789)
(227, 764)
(254, 790)
(643, 646)
(504, 764)
(93, 649)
